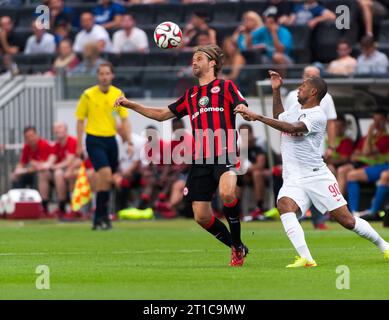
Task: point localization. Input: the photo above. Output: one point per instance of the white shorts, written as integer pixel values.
(321, 189)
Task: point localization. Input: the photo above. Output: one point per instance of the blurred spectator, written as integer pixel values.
(345, 64)
(371, 61)
(92, 32)
(367, 15)
(197, 24)
(66, 58)
(61, 15)
(35, 162)
(379, 197)
(146, 1)
(173, 177)
(257, 163)
(130, 38)
(233, 59)
(281, 9)
(310, 13)
(128, 177)
(62, 31)
(243, 35)
(203, 38)
(90, 61)
(378, 151)
(8, 39)
(62, 18)
(41, 41)
(343, 146)
(108, 14)
(370, 150)
(10, 67)
(276, 40)
(64, 151)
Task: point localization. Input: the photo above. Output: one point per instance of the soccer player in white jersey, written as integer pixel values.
(307, 179)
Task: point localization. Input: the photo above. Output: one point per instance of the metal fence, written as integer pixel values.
(25, 101)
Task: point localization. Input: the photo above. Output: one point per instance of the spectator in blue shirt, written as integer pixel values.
(275, 40)
(311, 13)
(109, 14)
(243, 35)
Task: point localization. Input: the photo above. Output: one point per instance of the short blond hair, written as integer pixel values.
(255, 16)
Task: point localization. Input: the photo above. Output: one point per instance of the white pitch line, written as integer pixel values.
(125, 252)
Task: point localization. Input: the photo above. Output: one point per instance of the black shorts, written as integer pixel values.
(103, 152)
(203, 180)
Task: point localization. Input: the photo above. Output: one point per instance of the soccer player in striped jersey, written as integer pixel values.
(210, 107)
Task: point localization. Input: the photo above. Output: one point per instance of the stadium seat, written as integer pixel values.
(34, 62)
(158, 84)
(161, 58)
(201, 7)
(25, 17)
(82, 7)
(130, 59)
(301, 39)
(257, 6)
(324, 40)
(184, 58)
(168, 12)
(226, 12)
(8, 11)
(21, 37)
(383, 36)
(143, 14)
(223, 31)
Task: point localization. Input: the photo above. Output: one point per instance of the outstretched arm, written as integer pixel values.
(276, 83)
(295, 127)
(159, 114)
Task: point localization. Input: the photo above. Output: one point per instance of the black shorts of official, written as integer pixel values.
(203, 180)
(103, 152)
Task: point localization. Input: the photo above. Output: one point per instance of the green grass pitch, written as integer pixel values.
(178, 260)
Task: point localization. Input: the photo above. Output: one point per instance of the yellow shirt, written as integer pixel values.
(98, 108)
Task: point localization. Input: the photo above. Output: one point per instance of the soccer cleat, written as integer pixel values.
(245, 250)
(237, 256)
(386, 254)
(302, 262)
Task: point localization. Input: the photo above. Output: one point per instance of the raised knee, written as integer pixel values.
(282, 205)
(227, 197)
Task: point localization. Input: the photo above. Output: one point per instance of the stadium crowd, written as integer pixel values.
(79, 41)
(268, 32)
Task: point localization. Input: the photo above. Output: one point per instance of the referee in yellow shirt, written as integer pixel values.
(95, 106)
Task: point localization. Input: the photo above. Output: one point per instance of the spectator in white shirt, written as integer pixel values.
(92, 32)
(130, 38)
(371, 61)
(41, 41)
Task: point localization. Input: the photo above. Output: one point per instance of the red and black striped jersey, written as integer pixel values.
(211, 111)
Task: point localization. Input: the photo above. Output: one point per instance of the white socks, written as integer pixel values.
(295, 233)
(365, 230)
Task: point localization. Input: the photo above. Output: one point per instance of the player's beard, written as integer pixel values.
(197, 73)
(301, 100)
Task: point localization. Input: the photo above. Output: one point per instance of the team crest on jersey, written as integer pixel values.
(203, 101)
(301, 116)
(215, 89)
